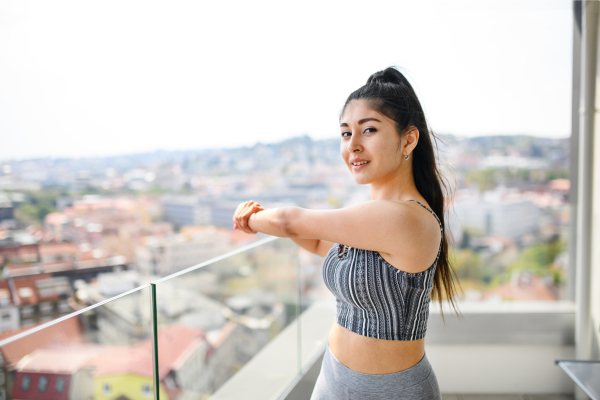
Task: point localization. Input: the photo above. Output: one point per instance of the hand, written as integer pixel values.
(242, 215)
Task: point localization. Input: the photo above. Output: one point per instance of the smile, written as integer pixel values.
(360, 163)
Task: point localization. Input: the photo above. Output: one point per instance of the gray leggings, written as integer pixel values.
(338, 382)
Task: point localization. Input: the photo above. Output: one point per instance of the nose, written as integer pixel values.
(354, 144)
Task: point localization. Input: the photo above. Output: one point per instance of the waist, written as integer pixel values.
(374, 356)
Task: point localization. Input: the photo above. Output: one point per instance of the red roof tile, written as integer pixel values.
(68, 331)
(173, 343)
(535, 291)
(53, 249)
(72, 358)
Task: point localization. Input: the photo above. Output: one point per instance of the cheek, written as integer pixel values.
(343, 154)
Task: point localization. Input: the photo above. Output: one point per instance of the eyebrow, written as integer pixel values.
(360, 122)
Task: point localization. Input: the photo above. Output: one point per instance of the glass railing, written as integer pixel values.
(180, 337)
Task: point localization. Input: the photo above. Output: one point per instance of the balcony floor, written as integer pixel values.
(455, 396)
(304, 389)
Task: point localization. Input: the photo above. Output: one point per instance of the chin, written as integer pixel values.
(361, 180)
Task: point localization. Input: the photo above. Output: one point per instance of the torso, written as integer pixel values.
(373, 356)
(369, 355)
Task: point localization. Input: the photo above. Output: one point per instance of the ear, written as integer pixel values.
(411, 139)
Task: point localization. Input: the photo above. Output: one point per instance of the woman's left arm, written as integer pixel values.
(272, 221)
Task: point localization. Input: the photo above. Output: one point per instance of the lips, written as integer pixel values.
(356, 165)
(359, 161)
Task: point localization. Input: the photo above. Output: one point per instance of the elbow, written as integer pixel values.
(288, 217)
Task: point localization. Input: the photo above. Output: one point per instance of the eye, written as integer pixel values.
(346, 134)
(370, 130)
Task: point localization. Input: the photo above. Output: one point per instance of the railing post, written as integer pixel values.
(153, 301)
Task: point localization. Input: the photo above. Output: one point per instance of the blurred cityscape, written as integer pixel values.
(76, 232)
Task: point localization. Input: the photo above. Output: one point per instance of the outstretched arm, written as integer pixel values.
(380, 225)
(247, 209)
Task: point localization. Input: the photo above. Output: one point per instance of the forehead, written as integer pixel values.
(360, 109)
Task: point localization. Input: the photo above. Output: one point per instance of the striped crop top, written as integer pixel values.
(375, 299)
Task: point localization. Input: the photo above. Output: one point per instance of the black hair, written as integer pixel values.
(389, 93)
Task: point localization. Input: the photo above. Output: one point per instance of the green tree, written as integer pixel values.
(467, 264)
(38, 205)
(539, 258)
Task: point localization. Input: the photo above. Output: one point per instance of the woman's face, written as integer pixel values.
(370, 144)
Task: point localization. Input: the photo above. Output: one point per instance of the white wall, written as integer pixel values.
(500, 368)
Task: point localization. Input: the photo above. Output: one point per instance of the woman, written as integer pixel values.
(384, 259)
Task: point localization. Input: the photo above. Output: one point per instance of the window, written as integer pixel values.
(106, 389)
(46, 292)
(5, 315)
(63, 306)
(42, 384)
(146, 390)
(25, 292)
(26, 311)
(25, 383)
(60, 385)
(46, 308)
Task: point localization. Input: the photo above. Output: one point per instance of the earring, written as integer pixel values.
(406, 157)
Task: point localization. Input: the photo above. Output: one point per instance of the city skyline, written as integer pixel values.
(81, 80)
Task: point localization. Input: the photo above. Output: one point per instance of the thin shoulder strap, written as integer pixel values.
(441, 229)
(431, 211)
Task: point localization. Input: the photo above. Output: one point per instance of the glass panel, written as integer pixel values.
(101, 353)
(213, 320)
(318, 308)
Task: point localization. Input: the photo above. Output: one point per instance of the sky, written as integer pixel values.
(87, 78)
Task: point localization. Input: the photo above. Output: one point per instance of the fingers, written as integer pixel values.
(235, 216)
(242, 215)
(238, 214)
(245, 216)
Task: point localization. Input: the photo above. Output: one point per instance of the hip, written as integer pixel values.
(338, 382)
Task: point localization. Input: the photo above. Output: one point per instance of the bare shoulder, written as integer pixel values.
(420, 236)
(395, 229)
(408, 215)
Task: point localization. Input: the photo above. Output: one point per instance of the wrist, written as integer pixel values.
(252, 220)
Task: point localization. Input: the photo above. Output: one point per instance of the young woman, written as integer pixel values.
(384, 259)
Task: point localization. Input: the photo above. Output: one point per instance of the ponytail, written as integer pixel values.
(389, 93)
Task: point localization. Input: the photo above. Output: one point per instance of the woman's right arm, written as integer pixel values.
(245, 210)
(315, 246)
(387, 226)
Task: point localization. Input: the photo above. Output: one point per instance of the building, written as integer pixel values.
(9, 313)
(19, 247)
(38, 298)
(194, 210)
(69, 331)
(55, 252)
(128, 371)
(492, 215)
(7, 217)
(40, 377)
(165, 256)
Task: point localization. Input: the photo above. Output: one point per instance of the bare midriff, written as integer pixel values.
(374, 356)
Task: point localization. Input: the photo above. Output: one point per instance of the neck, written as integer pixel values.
(401, 186)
